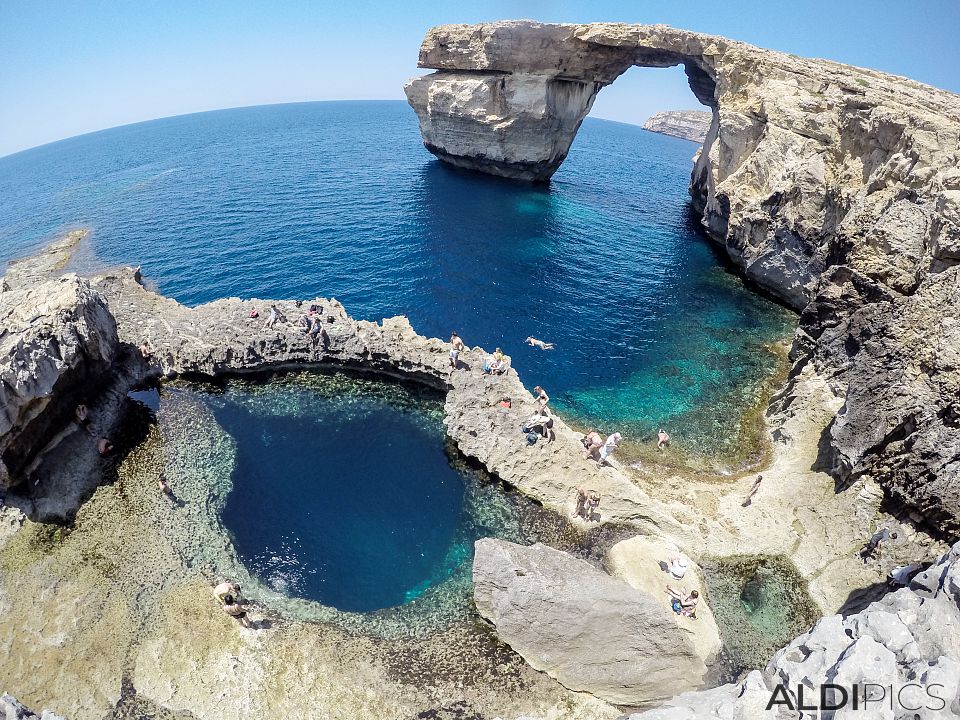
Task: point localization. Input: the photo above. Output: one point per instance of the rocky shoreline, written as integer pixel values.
(834, 188)
(220, 339)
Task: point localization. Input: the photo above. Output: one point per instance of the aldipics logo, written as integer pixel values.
(831, 697)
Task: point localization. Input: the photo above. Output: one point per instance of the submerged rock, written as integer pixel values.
(684, 124)
(587, 629)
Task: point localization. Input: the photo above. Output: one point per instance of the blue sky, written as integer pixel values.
(69, 67)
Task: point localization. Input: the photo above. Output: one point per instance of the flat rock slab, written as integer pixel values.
(581, 626)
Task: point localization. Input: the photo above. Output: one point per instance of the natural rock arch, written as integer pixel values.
(835, 188)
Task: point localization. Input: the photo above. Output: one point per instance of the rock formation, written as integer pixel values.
(57, 341)
(587, 629)
(908, 641)
(684, 124)
(837, 189)
(10, 709)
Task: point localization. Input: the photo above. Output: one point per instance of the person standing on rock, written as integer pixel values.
(233, 608)
(609, 446)
(317, 331)
(662, 439)
(540, 395)
(456, 347)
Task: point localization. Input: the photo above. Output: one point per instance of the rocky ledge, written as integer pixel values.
(903, 653)
(684, 124)
(836, 189)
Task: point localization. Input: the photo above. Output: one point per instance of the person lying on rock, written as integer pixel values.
(754, 489)
(456, 347)
(104, 447)
(873, 547)
(682, 603)
(233, 608)
(533, 342)
(592, 442)
(505, 402)
(608, 447)
(542, 424)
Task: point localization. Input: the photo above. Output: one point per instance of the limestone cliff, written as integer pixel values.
(684, 124)
(835, 188)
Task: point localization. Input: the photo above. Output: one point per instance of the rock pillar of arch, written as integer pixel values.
(508, 98)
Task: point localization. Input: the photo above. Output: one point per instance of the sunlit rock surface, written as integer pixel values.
(835, 188)
(911, 636)
(690, 125)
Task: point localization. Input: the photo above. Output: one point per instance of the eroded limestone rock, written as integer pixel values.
(587, 629)
(911, 636)
(690, 125)
(835, 188)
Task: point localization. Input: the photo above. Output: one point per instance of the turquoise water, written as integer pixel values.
(340, 199)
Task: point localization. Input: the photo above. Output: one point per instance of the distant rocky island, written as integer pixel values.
(683, 124)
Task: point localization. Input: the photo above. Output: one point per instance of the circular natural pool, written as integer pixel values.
(344, 492)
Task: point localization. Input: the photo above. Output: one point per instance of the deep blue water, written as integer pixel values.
(340, 199)
(342, 491)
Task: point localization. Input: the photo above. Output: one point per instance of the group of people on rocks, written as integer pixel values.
(310, 322)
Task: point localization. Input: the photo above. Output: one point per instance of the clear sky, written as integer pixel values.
(73, 66)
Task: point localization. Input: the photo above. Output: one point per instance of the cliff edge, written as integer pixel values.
(690, 125)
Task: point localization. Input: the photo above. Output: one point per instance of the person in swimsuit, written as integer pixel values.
(227, 587)
(592, 442)
(104, 447)
(164, 487)
(234, 609)
(662, 439)
(540, 395)
(533, 342)
(505, 402)
(682, 603)
(456, 347)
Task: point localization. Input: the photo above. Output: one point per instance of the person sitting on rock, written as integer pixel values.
(505, 402)
(304, 322)
(533, 342)
(682, 603)
(678, 566)
(592, 442)
(273, 318)
(83, 417)
(456, 347)
(145, 352)
(662, 439)
(609, 446)
(542, 424)
(901, 575)
(235, 609)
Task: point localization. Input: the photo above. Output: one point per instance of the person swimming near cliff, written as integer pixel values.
(456, 347)
(662, 439)
(533, 342)
(233, 608)
(608, 447)
(540, 395)
(682, 603)
(592, 442)
(754, 489)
